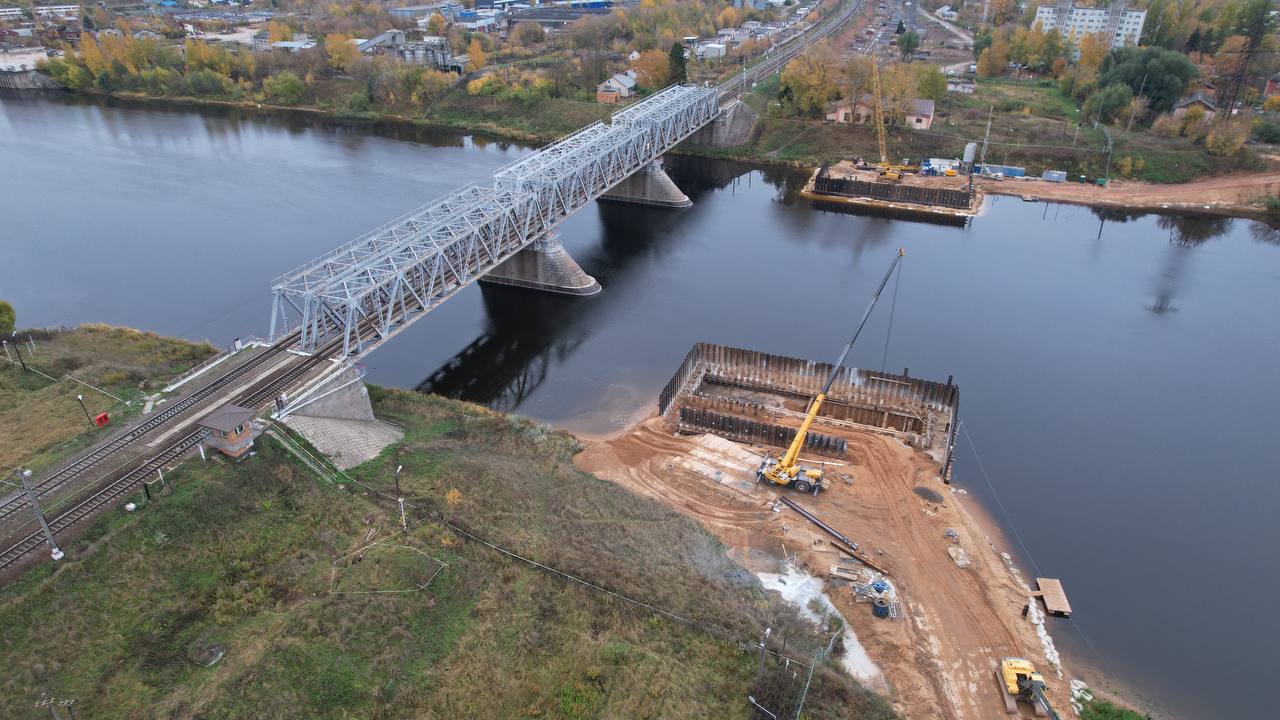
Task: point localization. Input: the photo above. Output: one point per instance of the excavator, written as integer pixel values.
(787, 470)
(888, 171)
(1020, 681)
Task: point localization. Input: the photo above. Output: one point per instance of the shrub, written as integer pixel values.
(285, 88)
(1226, 138)
(1267, 132)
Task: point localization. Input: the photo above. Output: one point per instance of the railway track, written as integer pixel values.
(59, 479)
(113, 490)
(788, 52)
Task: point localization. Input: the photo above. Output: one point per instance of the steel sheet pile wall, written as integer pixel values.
(924, 409)
(746, 430)
(943, 197)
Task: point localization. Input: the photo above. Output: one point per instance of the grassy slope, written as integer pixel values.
(242, 555)
(114, 359)
(1027, 117)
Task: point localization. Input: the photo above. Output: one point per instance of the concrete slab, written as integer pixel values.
(347, 443)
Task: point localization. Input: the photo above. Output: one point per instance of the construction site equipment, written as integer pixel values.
(1019, 681)
(1055, 598)
(889, 172)
(787, 470)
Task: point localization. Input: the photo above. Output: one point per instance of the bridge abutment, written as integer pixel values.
(544, 266)
(649, 186)
(733, 126)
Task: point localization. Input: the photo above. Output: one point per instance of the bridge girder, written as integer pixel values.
(370, 288)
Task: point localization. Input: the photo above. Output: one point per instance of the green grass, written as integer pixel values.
(1104, 710)
(242, 556)
(45, 417)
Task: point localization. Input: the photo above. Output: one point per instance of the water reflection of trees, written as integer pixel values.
(1193, 230)
(1265, 233)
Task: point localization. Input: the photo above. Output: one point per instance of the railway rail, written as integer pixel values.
(113, 490)
(75, 468)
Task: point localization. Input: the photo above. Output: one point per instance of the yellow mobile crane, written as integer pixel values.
(787, 470)
(888, 171)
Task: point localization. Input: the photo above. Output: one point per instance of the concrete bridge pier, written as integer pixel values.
(544, 265)
(649, 186)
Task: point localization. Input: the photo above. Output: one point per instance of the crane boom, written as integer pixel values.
(879, 110)
(785, 470)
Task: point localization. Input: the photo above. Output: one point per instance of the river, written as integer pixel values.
(1116, 374)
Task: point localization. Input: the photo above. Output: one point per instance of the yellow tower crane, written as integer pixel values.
(787, 470)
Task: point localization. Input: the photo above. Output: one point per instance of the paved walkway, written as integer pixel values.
(347, 443)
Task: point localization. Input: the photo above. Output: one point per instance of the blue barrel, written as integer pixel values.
(880, 608)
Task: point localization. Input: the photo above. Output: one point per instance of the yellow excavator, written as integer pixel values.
(787, 470)
(888, 171)
(1020, 681)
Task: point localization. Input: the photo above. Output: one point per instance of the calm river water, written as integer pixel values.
(1117, 376)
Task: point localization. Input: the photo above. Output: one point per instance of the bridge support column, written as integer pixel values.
(545, 266)
(649, 186)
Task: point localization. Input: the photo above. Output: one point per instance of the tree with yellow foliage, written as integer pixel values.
(436, 24)
(810, 81)
(652, 69)
(476, 58)
(1093, 48)
(91, 55)
(728, 18)
(342, 53)
(278, 31)
(995, 58)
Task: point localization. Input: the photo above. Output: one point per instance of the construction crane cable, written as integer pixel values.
(893, 306)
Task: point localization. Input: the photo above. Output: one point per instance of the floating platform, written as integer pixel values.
(931, 198)
(1055, 598)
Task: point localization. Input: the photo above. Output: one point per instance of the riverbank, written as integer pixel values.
(1237, 195)
(956, 621)
(1242, 195)
(258, 587)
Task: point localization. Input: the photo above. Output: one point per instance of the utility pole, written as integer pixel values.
(1107, 174)
(23, 476)
(1141, 87)
(80, 399)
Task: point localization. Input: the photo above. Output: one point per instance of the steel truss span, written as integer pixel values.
(387, 278)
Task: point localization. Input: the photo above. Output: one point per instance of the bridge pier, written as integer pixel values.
(544, 265)
(649, 186)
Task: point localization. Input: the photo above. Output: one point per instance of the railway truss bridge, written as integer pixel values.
(366, 291)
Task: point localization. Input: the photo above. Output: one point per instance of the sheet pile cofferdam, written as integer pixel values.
(752, 396)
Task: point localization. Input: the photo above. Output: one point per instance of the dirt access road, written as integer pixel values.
(939, 657)
(1228, 194)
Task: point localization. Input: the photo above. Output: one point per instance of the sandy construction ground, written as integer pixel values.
(954, 623)
(1228, 194)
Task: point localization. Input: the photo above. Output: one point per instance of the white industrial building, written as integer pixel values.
(1118, 23)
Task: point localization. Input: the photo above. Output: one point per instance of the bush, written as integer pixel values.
(1226, 138)
(207, 83)
(285, 88)
(1267, 132)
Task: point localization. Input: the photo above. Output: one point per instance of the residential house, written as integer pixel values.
(1196, 99)
(615, 89)
(920, 116)
(1273, 86)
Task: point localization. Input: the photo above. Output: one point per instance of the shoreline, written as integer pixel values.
(1223, 195)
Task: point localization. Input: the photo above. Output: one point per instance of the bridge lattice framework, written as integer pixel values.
(374, 286)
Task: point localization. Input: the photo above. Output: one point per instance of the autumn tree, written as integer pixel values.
(476, 58)
(810, 80)
(436, 24)
(529, 33)
(342, 53)
(995, 58)
(278, 31)
(728, 18)
(1093, 48)
(857, 76)
(652, 69)
(91, 55)
(677, 68)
